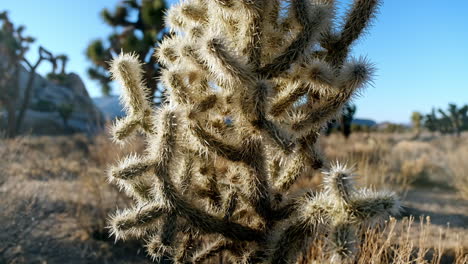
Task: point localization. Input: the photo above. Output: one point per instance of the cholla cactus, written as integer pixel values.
(250, 84)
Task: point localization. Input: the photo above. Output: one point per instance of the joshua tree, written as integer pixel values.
(455, 120)
(57, 74)
(430, 121)
(13, 47)
(456, 117)
(139, 36)
(416, 119)
(346, 119)
(237, 133)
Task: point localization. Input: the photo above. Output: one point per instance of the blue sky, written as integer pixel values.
(420, 48)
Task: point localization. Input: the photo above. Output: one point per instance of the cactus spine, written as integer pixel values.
(249, 87)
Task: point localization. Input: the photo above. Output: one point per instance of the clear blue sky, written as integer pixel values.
(420, 48)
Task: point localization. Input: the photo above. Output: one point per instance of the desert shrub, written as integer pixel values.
(414, 162)
(459, 169)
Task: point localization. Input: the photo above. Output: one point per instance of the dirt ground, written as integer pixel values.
(55, 202)
(447, 211)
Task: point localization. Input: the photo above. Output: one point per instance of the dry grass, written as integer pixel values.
(394, 243)
(55, 199)
(55, 202)
(458, 165)
(400, 162)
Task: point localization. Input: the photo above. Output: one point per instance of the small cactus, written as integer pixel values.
(250, 85)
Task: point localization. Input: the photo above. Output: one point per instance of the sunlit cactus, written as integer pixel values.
(250, 85)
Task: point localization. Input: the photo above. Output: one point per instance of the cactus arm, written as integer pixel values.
(177, 89)
(253, 108)
(278, 136)
(259, 194)
(123, 128)
(130, 167)
(169, 229)
(317, 77)
(132, 222)
(224, 3)
(313, 157)
(295, 168)
(292, 92)
(289, 245)
(186, 175)
(311, 29)
(253, 31)
(215, 145)
(212, 250)
(206, 223)
(357, 19)
(371, 205)
(224, 67)
(352, 77)
(185, 248)
(230, 205)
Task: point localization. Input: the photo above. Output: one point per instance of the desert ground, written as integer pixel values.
(56, 200)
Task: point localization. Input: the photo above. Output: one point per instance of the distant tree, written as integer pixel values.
(13, 48)
(416, 119)
(456, 117)
(58, 74)
(454, 120)
(346, 119)
(330, 127)
(343, 123)
(138, 26)
(65, 111)
(357, 128)
(430, 121)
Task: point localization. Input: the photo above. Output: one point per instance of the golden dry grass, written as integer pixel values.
(55, 199)
(394, 243)
(398, 161)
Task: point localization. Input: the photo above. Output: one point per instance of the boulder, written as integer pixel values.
(50, 98)
(110, 107)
